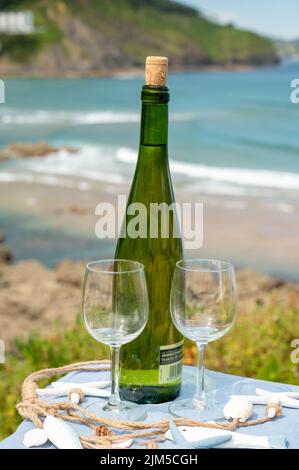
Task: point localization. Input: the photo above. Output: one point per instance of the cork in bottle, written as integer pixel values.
(156, 71)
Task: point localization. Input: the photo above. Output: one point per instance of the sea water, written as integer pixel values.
(232, 134)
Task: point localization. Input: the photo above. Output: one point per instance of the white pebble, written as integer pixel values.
(238, 408)
(35, 438)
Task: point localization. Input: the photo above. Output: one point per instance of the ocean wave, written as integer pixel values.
(114, 165)
(88, 163)
(41, 117)
(66, 169)
(74, 118)
(268, 145)
(46, 180)
(237, 176)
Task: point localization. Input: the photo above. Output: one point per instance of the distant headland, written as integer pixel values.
(46, 38)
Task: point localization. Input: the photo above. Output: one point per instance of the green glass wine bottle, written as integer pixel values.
(151, 365)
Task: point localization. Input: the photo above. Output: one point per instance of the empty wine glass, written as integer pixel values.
(203, 308)
(115, 311)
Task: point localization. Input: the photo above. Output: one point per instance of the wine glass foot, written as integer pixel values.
(125, 411)
(212, 410)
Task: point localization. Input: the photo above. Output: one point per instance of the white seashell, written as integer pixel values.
(122, 444)
(97, 384)
(239, 440)
(290, 394)
(35, 438)
(261, 392)
(238, 408)
(61, 434)
(255, 399)
(286, 398)
(62, 391)
(75, 398)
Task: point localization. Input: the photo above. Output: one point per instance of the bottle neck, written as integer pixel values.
(154, 116)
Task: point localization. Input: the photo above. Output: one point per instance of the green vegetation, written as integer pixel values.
(63, 347)
(125, 31)
(257, 346)
(22, 48)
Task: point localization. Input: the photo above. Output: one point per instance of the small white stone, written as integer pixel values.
(35, 438)
(238, 408)
(271, 412)
(75, 398)
(273, 399)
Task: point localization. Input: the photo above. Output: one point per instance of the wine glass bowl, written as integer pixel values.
(114, 294)
(115, 311)
(203, 301)
(203, 309)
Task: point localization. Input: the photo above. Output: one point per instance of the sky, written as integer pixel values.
(275, 18)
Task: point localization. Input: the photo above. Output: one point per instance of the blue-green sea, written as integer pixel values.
(232, 134)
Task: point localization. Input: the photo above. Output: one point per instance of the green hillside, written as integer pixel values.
(98, 36)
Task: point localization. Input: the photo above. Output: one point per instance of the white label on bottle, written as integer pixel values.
(171, 362)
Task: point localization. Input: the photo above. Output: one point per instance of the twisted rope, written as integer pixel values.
(34, 409)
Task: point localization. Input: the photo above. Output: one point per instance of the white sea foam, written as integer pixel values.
(66, 169)
(73, 118)
(126, 155)
(114, 165)
(285, 207)
(20, 177)
(237, 176)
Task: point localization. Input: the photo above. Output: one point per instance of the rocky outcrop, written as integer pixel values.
(30, 149)
(33, 296)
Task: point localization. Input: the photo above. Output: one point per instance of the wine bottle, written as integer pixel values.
(151, 365)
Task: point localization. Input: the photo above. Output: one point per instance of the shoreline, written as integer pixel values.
(137, 71)
(49, 219)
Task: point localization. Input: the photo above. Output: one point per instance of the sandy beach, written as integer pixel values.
(263, 236)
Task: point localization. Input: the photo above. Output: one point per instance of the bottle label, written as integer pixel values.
(171, 362)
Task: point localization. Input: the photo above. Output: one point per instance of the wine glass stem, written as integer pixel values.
(114, 399)
(199, 398)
